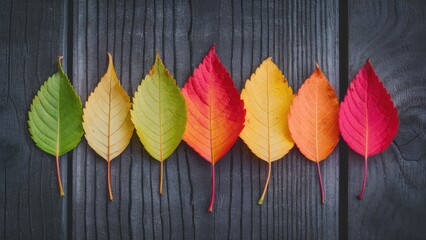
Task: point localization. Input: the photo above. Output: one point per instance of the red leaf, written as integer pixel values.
(368, 119)
(215, 111)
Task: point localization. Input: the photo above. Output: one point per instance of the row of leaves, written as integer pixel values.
(210, 114)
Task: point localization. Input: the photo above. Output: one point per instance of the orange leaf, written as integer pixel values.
(313, 120)
(215, 111)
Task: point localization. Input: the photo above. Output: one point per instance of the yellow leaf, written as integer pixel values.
(267, 97)
(106, 118)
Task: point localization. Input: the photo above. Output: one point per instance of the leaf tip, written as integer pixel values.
(212, 50)
(318, 72)
(158, 58)
(317, 68)
(109, 57)
(369, 68)
(110, 68)
(367, 63)
(60, 65)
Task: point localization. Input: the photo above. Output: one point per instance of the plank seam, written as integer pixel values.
(343, 148)
(68, 57)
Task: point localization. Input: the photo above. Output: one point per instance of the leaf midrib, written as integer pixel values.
(210, 119)
(316, 120)
(366, 118)
(109, 117)
(268, 117)
(58, 129)
(160, 118)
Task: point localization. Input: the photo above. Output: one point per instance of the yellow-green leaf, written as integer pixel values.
(159, 114)
(267, 98)
(106, 118)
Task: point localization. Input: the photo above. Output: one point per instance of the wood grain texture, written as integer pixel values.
(392, 34)
(295, 33)
(32, 37)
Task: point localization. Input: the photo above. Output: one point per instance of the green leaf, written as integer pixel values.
(55, 118)
(159, 113)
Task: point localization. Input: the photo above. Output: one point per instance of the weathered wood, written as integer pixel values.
(296, 34)
(392, 34)
(32, 37)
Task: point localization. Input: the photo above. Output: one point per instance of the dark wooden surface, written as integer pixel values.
(245, 34)
(339, 36)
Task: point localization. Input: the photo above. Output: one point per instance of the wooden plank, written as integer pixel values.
(32, 37)
(392, 34)
(295, 33)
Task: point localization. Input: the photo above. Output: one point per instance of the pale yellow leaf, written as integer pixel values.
(106, 118)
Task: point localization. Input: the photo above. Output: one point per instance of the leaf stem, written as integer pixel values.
(161, 176)
(266, 184)
(364, 182)
(320, 182)
(58, 173)
(109, 180)
(213, 188)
